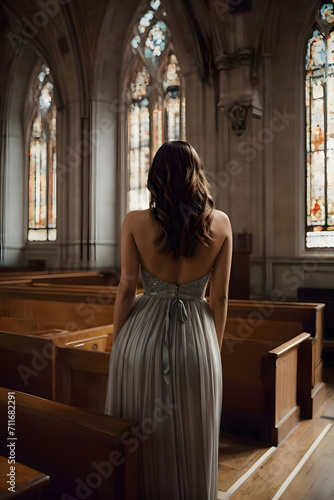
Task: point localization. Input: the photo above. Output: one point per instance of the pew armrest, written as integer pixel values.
(290, 345)
(280, 381)
(93, 344)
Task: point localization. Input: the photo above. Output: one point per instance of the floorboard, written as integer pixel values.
(314, 480)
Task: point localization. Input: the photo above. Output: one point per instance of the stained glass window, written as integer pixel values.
(327, 12)
(139, 139)
(155, 42)
(156, 99)
(319, 99)
(42, 163)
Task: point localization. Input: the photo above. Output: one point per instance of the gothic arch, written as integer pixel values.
(115, 32)
(26, 51)
(108, 158)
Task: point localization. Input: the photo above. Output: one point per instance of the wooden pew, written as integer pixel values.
(81, 309)
(240, 329)
(261, 379)
(86, 454)
(310, 316)
(80, 378)
(77, 309)
(256, 376)
(93, 306)
(27, 361)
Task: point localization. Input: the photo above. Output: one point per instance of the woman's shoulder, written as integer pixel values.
(221, 226)
(136, 217)
(136, 214)
(221, 218)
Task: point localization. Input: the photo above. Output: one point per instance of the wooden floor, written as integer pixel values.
(312, 480)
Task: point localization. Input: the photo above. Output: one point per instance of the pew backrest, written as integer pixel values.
(27, 364)
(261, 329)
(82, 377)
(75, 447)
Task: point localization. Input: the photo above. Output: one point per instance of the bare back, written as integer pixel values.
(145, 230)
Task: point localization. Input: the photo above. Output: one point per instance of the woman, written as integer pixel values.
(165, 367)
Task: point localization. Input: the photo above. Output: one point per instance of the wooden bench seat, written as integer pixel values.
(86, 454)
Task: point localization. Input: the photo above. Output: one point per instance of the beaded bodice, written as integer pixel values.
(186, 291)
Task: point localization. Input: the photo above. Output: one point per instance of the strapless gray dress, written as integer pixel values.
(165, 374)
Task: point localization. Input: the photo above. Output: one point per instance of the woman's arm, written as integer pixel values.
(220, 281)
(126, 291)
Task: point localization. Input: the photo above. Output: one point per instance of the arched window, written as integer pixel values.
(155, 98)
(319, 97)
(42, 162)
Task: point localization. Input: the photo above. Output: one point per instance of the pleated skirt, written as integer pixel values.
(179, 420)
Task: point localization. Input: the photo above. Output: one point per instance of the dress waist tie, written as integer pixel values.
(168, 336)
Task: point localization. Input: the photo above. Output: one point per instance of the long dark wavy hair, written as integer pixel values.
(180, 199)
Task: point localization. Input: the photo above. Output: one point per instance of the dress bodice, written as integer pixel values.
(186, 291)
(176, 308)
